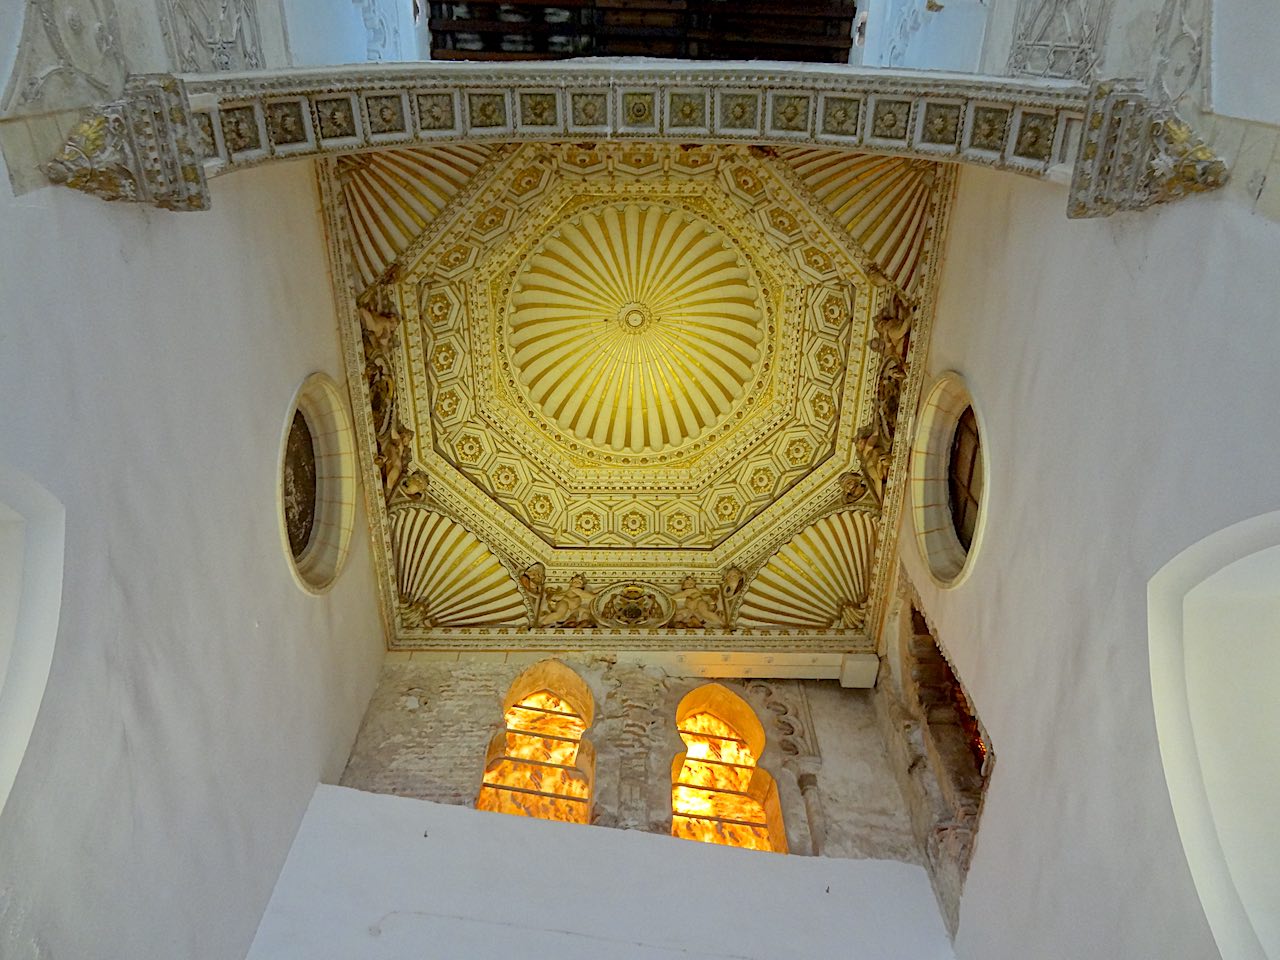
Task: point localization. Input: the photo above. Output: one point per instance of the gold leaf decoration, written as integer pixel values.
(392, 195)
(636, 327)
(818, 580)
(448, 575)
(884, 202)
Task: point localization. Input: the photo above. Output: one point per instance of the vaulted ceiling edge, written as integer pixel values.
(647, 382)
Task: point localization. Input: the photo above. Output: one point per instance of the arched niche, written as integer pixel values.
(1214, 647)
(539, 764)
(32, 537)
(719, 770)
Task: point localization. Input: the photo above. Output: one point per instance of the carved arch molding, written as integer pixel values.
(1123, 146)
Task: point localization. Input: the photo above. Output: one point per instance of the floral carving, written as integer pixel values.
(637, 109)
(337, 119)
(790, 112)
(435, 111)
(590, 109)
(889, 119)
(840, 116)
(941, 123)
(538, 109)
(740, 110)
(386, 114)
(990, 126)
(285, 123)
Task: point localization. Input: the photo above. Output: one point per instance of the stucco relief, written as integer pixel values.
(207, 35)
(70, 55)
(1059, 38)
(382, 29)
(1179, 53)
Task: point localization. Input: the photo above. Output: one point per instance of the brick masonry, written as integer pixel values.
(428, 725)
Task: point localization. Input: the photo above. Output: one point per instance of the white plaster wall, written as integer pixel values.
(1245, 72)
(197, 695)
(395, 878)
(906, 34)
(1125, 371)
(13, 541)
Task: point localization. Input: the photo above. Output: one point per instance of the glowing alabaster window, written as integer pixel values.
(718, 793)
(539, 765)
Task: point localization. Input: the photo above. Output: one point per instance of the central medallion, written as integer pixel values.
(635, 317)
(635, 328)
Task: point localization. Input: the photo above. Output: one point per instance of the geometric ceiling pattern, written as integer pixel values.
(621, 367)
(638, 346)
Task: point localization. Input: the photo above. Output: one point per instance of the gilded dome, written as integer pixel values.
(635, 327)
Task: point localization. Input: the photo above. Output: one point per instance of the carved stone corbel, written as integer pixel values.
(1135, 153)
(139, 148)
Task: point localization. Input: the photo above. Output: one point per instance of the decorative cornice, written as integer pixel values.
(604, 639)
(1136, 153)
(1027, 126)
(138, 148)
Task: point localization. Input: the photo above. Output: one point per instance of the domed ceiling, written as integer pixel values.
(641, 363)
(635, 328)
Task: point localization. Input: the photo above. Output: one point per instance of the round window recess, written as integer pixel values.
(317, 483)
(948, 479)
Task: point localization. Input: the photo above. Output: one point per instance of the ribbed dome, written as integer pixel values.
(635, 328)
(810, 581)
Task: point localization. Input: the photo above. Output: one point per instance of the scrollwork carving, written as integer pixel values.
(97, 158)
(207, 35)
(1136, 153)
(70, 56)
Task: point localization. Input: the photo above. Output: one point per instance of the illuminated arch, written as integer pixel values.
(719, 793)
(539, 765)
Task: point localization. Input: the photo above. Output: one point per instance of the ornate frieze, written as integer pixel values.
(896, 113)
(1024, 125)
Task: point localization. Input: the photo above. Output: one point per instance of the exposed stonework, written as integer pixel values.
(928, 751)
(428, 725)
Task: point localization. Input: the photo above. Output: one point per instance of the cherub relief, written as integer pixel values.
(393, 459)
(876, 457)
(695, 607)
(893, 327)
(570, 606)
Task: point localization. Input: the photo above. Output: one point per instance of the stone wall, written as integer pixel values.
(428, 725)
